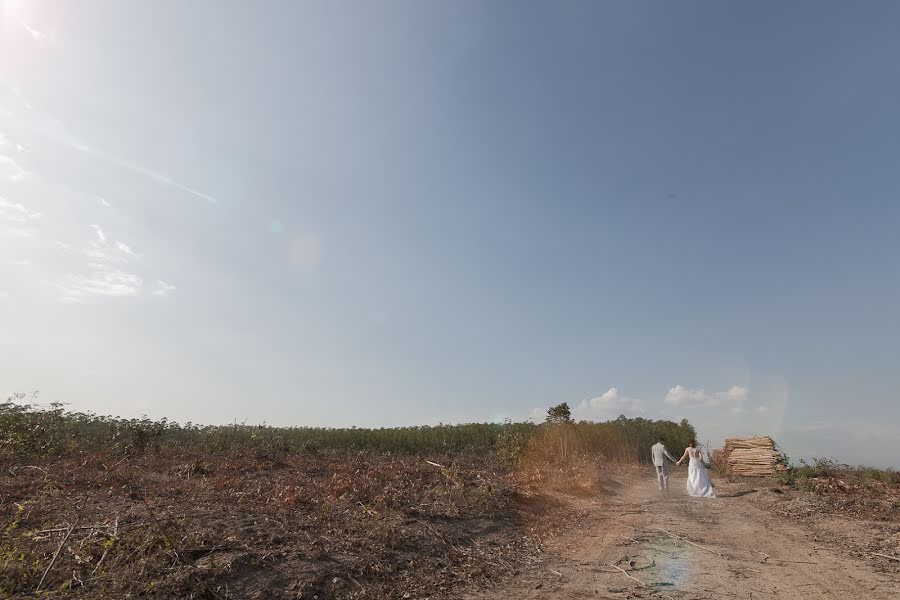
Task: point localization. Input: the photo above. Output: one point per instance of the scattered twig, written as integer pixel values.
(438, 534)
(886, 556)
(109, 470)
(650, 566)
(556, 572)
(81, 528)
(767, 557)
(796, 562)
(690, 542)
(56, 554)
(105, 551)
(162, 531)
(625, 573)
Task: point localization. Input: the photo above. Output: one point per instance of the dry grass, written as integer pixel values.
(180, 525)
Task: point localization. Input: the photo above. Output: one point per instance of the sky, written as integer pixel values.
(395, 213)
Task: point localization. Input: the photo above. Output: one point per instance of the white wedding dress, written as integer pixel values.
(698, 481)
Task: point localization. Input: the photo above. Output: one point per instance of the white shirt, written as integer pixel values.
(659, 453)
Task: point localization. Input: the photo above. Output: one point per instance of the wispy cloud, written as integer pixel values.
(55, 130)
(5, 142)
(163, 288)
(101, 280)
(105, 274)
(38, 36)
(11, 169)
(126, 249)
(100, 235)
(682, 397)
(141, 170)
(100, 248)
(16, 213)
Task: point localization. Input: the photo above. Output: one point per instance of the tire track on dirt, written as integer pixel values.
(747, 553)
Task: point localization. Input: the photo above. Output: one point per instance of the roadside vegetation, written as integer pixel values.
(54, 431)
(96, 506)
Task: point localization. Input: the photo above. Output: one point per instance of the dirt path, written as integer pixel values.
(736, 536)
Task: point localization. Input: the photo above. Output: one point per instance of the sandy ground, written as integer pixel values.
(747, 551)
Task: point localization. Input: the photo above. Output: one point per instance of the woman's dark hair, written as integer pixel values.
(693, 444)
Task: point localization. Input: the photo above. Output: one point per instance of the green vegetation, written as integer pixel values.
(30, 430)
(829, 468)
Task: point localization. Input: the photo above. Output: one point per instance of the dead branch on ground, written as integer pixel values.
(625, 573)
(690, 542)
(56, 554)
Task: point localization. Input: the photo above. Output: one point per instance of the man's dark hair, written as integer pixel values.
(661, 440)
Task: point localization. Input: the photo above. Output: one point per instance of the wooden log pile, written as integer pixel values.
(752, 457)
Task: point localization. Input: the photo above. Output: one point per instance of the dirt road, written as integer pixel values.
(742, 551)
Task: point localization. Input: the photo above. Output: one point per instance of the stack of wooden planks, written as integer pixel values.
(752, 457)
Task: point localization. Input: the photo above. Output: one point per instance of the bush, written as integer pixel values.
(28, 430)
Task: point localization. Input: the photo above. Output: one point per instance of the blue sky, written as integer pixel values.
(389, 213)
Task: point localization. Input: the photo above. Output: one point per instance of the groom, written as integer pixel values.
(659, 453)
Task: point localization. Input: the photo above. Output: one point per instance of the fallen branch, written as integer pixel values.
(796, 562)
(56, 555)
(886, 556)
(115, 538)
(650, 566)
(625, 573)
(444, 472)
(81, 528)
(690, 542)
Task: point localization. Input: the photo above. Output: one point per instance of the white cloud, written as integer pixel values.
(11, 169)
(101, 280)
(105, 274)
(101, 249)
(682, 397)
(126, 249)
(38, 36)
(16, 213)
(163, 288)
(100, 235)
(103, 202)
(609, 405)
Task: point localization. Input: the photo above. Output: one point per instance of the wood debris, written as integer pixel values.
(752, 457)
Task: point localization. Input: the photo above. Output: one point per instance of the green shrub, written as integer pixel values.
(33, 431)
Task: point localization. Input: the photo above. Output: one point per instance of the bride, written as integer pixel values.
(698, 481)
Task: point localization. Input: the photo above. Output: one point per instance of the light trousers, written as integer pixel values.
(662, 477)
